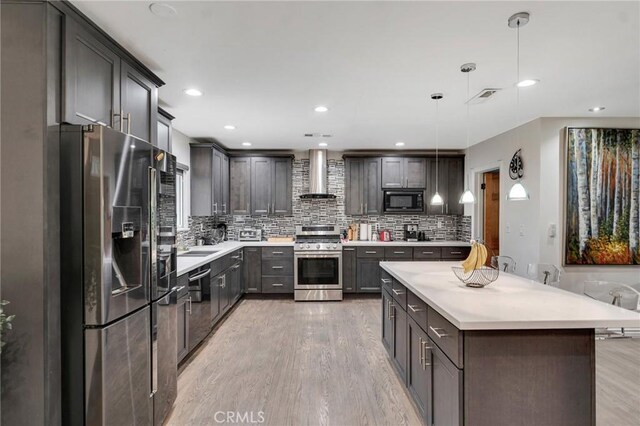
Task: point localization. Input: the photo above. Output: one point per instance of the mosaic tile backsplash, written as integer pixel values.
(325, 211)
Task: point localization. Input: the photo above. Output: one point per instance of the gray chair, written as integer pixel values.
(504, 263)
(544, 273)
(618, 294)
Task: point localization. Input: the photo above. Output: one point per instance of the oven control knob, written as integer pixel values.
(335, 246)
(308, 246)
(317, 246)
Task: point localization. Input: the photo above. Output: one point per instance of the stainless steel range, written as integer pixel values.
(317, 263)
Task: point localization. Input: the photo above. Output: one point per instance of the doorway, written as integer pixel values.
(491, 211)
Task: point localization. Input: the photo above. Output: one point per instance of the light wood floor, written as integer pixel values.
(323, 363)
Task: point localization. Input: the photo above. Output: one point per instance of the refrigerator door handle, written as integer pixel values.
(153, 278)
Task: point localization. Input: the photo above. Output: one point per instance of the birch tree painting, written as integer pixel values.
(603, 187)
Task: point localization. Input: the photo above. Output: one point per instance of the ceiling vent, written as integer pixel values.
(483, 96)
(317, 135)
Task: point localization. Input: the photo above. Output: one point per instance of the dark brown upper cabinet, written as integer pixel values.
(450, 172)
(102, 88)
(209, 181)
(139, 104)
(404, 173)
(164, 130)
(91, 79)
(271, 186)
(363, 193)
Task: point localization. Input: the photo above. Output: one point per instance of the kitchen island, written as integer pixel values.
(514, 352)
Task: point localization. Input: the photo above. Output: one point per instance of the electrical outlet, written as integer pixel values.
(522, 230)
(202, 227)
(508, 228)
(552, 230)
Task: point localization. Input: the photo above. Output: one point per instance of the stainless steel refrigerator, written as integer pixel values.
(118, 276)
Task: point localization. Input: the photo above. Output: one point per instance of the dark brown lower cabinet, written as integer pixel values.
(368, 275)
(252, 274)
(349, 269)
(387, 322)
(419, 369)
(183, 327)
(446, 386)
(399, 317)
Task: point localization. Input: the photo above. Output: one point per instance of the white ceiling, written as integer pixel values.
(264, 66)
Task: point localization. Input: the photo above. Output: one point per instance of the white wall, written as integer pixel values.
(180, 148)
(542, 143)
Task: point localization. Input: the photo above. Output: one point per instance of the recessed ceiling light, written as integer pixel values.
(596, 109)
(230, 127)
(323, 144)
(321, 109)
(246, 143)
(192, 92)
(528, 83)
(399, 143)
(163, 10)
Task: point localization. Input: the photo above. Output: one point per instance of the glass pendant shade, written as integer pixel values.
(467, 197)
(437, 200)
(517, 192)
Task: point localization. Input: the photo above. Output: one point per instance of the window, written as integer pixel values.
(181, 223)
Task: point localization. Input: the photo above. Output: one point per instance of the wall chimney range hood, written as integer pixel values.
(317, 175)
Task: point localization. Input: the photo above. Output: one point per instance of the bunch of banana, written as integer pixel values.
(477, 257)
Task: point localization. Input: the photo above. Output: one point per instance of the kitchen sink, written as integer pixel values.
(198, 253)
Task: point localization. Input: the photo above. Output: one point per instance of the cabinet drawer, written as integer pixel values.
(427, 253)
(277, 284)
(398, 252)
(417, 309)
(280, 267)
(399, 293)
(277, 252)
(455, 253)
(446, 336)
(371, 252)
(386, 280)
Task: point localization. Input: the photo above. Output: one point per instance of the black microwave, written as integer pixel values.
(403, 201)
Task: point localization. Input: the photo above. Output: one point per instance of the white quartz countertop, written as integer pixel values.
(509, 303)
(189, 263)
(408, 244)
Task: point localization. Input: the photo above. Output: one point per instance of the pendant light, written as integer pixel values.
(436, 200)
(467, 196)
(518, 192)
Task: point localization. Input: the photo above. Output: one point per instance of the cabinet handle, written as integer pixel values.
(348, 249)
(366, 208)
(426, 347)
(277, 285)
(370, 252)
(361, 209)
(398, 252)
(407, 183)
(391, 309)
(413, 308)
(397, 292)
(129, 123)
(248, 208)
(189, 308)
(236, 266)
(278, 252)
(435, 330)
(385, 280)
(388, 309)
(421, 352)
(277, 267)
(224, 208)
(427, 252)
(456, 252)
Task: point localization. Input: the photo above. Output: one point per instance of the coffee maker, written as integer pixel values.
(411, 233)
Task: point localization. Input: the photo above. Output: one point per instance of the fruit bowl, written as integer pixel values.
(476, 277)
